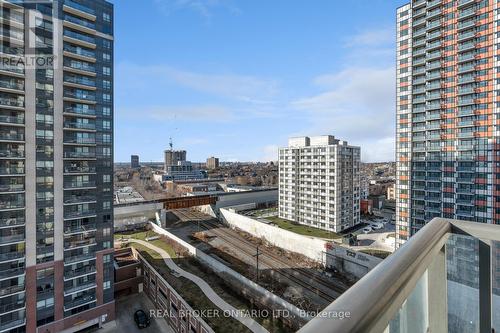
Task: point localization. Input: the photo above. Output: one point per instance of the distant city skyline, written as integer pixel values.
(331, 74)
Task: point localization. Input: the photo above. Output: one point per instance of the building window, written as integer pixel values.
(106, 178)
(106, 71)
(106, 57)
(106, 124)
(106, 111)
(106, 245)
(106, 17)
(106, 205)
(106, 258)
(106, 97)
(106, 231)
(45, 303)
(106, 284)
(106, 84)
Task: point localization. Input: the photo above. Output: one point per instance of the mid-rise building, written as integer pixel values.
(183, 171)
(173, 157)
(319, 182)
(56, 165)
(134, 161)
(212, 163)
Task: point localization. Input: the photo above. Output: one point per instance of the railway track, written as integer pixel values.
(299, 276)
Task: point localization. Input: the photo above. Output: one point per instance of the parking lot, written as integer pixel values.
(125, 309)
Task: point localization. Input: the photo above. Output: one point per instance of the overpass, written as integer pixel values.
(142, 211)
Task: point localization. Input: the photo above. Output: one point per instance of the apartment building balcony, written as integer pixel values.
(433, 24)
(76, 258)
(12, 119)
(419, 4)
(79, 214)
(79, 125)
(78, 52)
(79, 9)
(419, 12)
(11, 102)
(78, 38)
(12, 85)
(75, 169)
(11, 289)
(82, 110)
(433, 3)
(74, 229)
(10, 307)
(79, 24)
(12, 135)
(11, 201)
(412, 287)
(77, 242)
(431, 14)
(73, 185)
(466, 35)
(11, 256)
(12, 239)
(82, 82)
(79, 155)
(79, 96)
(79, 67)
(421, 31)
(79, 288)
(419, 22)
(80, 301)
(466, 24)
(11, 273)
(13, 321)
(466, 13)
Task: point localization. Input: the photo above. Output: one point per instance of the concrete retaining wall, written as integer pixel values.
(308, 246)
(339, 257)
(273, 300)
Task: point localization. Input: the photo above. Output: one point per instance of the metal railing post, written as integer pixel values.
(484, 287)
(437, 293)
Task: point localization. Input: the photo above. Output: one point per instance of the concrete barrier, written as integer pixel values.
(327, 253)
(310, 247)
(273, 300)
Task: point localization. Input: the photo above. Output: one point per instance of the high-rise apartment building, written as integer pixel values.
(447, 110)
(134, 161)
(212, 163)
(173, 157)
(319, 182)
(56, 171)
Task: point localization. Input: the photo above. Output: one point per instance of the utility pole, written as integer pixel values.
(257, 259)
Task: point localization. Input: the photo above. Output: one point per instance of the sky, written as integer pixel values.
(235, 79)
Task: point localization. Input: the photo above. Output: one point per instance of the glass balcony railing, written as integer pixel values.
(79, 7)
(79, 301)
(80, 80)
(19, 119)
(68, 260)
(82, 141)
(79, 125)
(12, 272)
(79, 154)
(78, 213)
(79, 21)
(11, 136)
(79, 169)
(11, 102)
(11, 170)
(11, 153)
(79, 184)
(81, 66)
(11, 187)
(12, 306)
(11, 85)
(83, 95)
(11, 256)
(71, 229)
(77, 288)
(80, 110)
(79, 51)
(424, 286)
(79, 36)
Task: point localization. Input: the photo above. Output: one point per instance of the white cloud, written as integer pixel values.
(357, 105)
(189, 113)
(243, 88)
(372, 37)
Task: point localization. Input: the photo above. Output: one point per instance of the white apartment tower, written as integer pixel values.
(319, 182)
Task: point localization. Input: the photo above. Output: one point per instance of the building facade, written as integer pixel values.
(319, 182)
(447, 137)
(134, 161)
(173, 157)
(56, 170)
(212, 163)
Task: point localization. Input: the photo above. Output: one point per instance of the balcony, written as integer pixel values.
(79, 155)
(79, 125)
(70, 260)
(11, 239)
(68, 305)
(84, 110)
(12, 102)
(79, 9)
(10, 273)
(85, 270)
(80, 228)
(11, 289)
(81, 95)
(411, 288)
(78, 214)
(79, 81)
(76, 169)
(79, 38)
(11, 256)
(82, 287)
(79, 184)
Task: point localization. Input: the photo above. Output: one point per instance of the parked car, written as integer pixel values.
(141, 319)
(376, 226)
(367, 230)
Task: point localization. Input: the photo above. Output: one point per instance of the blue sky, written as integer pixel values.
(235, 79)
